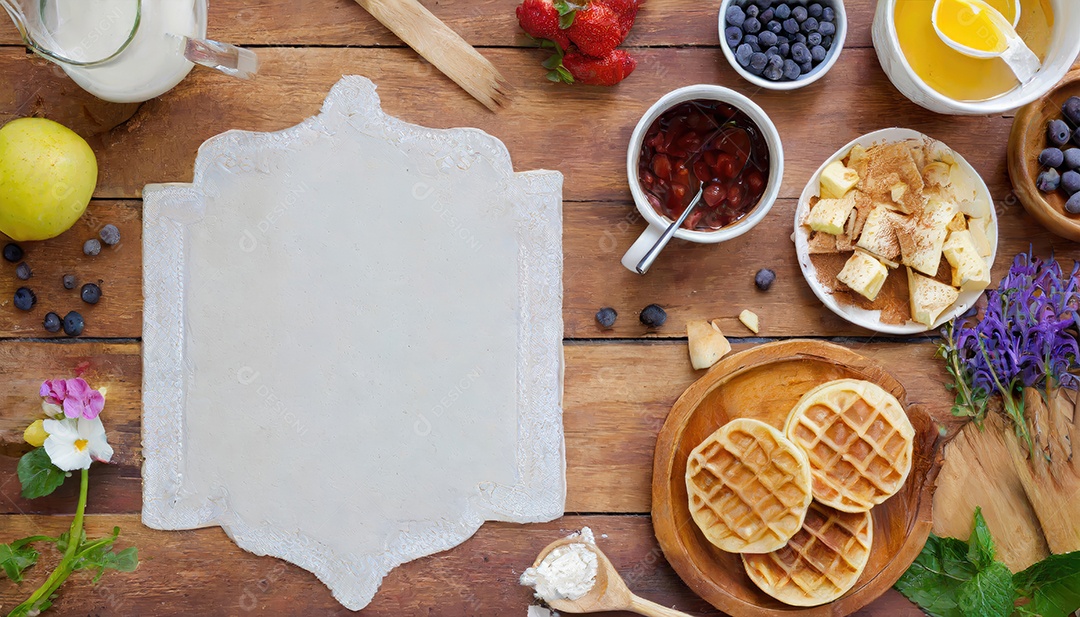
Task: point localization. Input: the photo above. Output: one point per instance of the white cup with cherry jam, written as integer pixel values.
(711, 132)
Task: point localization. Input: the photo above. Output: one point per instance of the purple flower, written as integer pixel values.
(77, 397)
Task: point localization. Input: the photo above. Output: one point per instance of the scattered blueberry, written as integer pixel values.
(791, 26)
(1073, 205)
(110, 234)
(25, 299)
(752, 11)
(69, 281)
(743, 53)
(826, 28)
(13, 252)
(73, 324)
(767, 39)
(818, 53)
(735, 16)
(814, 10)
(810, 25)
(1052, 157)
(90, 293)
(1048, 181)
(751, 25)
(828, 14)
(91, 247)
(1057, 133)
(764, 279)
(52, 322)
(23, 271)
(606, 317)
(653, 316)
(791, 70)
(1071, 110)
(799, 13)
(782, 12)
(733, 34)
(1072, 158)
(800, 53)
(758, 61)
(1070, 181)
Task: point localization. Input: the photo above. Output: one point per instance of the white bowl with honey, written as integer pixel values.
(930, 73)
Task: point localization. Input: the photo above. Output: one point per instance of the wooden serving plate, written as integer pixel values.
(765, 383)
(1026, 141)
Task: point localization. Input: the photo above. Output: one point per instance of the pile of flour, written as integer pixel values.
(566, 573)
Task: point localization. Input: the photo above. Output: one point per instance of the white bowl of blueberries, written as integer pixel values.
(782, 44)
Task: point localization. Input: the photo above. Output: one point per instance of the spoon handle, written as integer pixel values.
(641, 606)
(647, 261)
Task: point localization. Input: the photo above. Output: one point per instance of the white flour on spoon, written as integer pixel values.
(566, 573)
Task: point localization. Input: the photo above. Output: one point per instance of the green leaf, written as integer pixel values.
(989, 594)
(14, 559)
(936, 575)
(1050, 588)
(567, 12)
(553, 62)
(980, 545)
(39, 477)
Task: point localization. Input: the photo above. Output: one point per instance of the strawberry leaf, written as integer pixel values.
(567, 12)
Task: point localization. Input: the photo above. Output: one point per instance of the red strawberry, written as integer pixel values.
(596, 30)
(540, 19)
(607, 71)
(626, 10)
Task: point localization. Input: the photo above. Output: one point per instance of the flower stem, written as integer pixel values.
(32, 604)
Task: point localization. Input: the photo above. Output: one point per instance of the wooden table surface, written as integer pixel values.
(620, 383)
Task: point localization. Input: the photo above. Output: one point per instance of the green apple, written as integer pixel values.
(47, 175)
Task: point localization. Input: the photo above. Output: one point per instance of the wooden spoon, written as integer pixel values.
(610, 592)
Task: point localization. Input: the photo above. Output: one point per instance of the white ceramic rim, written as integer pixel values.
(871, 319)
(724, 95)
(998, 104)
(818, 71)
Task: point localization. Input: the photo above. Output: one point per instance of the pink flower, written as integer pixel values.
(77, 397)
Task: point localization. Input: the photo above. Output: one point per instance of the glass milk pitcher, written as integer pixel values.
(126, 51)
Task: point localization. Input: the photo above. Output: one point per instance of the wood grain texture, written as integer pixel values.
(203, 573)
(617, 397)
(581, 131)
(480, 22)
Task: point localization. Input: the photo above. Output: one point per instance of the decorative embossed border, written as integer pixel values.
(354, 579)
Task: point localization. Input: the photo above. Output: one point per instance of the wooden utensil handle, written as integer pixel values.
(641, 606)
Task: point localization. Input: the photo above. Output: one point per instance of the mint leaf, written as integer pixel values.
(989, 594)
(14, 559)
(938, 572)
(1050, 588)
(39, 477)
(980, 545)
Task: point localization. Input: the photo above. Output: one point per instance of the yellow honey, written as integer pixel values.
(973, 24)
(950, 72)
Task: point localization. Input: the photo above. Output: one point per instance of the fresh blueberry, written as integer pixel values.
(653, 316)
(73, 324)
(735, 15)
(763, 4)
(23, 271)
(733, 34)
(764, 279)
(1076, 137)
(1073, 205)
(806, 67)
(1057, 133)
(1071, 110)
(69, 281)
(25, 299)
(91, 247)
(818, 53)
(773, 72)
(1072, 158)
(781, 39)
(1070, 181)
(110, 234)
(751, 40)
(782, 12)
(766, 15)
(1052, 157)
(772, 52)
(791, 26)
(800, 53)
(742, 55)
(52, 322)
(826, 42)
(90, 293)
(606, 317)
(752, 11)
(828, 14)
(791, 70)
(775, 27)
(814, 38)
(13, 252)
(785, 50)
(814, 10)
(758, 61)
(800, 38)
(767, 39)
(826, 28)
(752, 25)
(1048, 181)
(810, 25)
(799, 14)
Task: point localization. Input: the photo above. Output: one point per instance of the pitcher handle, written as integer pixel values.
(228, 59)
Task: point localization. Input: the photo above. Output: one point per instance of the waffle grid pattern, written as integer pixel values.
(748, 490)
(821, 562)
(859, 449)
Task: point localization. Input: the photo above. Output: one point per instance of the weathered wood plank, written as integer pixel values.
(616, 398)
(188, 572)
(482, 23)
(582, 131)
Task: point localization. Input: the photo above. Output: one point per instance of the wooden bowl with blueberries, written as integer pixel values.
(1044, 158)
(782, 44)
